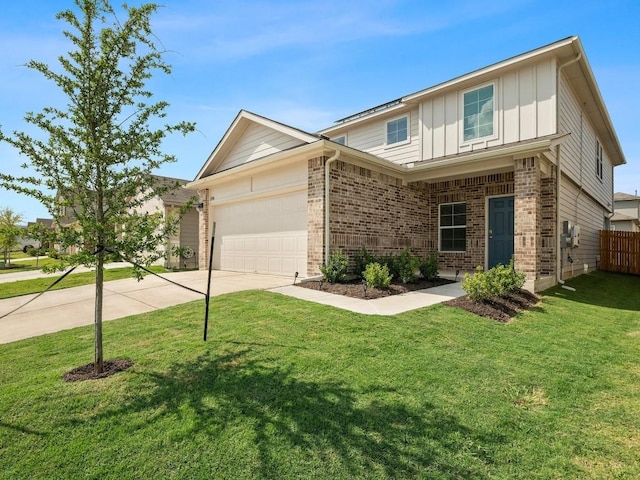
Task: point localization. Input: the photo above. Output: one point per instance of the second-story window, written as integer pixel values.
(342, 140)
(599, 172)
(398, 130)
(478, 113)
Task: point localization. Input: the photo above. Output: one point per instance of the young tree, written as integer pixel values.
(9, 232)
(93, 168)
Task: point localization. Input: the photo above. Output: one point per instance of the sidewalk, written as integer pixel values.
(74, 307)
(31, 274)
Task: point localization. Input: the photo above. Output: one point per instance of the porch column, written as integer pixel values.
(527, 219)
(315, 216)
(203, 230)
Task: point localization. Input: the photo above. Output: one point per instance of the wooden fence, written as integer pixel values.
(620, 251)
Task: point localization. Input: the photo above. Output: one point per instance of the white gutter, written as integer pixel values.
(327, 204)
(559, 265)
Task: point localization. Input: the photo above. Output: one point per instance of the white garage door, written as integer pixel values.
(265, 235)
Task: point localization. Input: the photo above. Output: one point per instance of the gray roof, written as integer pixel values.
(624, 196)
(180, 195)
(621, 217)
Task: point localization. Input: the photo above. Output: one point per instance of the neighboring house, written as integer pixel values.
(480, 168)
(181, 248)
(186, 237)
(626, 216)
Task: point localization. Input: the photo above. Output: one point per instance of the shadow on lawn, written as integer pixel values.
(325, 424)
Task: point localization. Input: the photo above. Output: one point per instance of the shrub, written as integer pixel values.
(506, 278)
(335, 270)
(480, 286)
(53, 254)
(363, 258)
(377, 276)
(429, 267)
(407, 265)
(500, 280)
(390, 261)
(33, 252)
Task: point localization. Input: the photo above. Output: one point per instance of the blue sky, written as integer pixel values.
(308, 63)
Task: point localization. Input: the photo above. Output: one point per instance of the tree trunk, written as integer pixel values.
(98, 359)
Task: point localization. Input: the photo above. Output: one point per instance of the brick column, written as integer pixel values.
(315, 215)
(203, 230)
(527, 219)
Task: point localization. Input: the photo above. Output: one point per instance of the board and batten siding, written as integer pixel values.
(578, 151)
(525, 105)
(371, 138)
(257, 141)
(189, 235)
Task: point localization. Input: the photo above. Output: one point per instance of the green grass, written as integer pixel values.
(37, 285)
(289, 389)
(26, 265)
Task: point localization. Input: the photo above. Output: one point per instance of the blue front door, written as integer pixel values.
(500, 234)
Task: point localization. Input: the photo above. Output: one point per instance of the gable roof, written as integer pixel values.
(234, 133)
(620, 196)
(178, 196)
(568, 51)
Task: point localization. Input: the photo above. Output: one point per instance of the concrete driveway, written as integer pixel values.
(74, 307)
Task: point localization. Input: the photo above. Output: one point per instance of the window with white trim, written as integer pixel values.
(599, 168)
(453, 227)
(478, 113)
(398, 130)
(342, 140)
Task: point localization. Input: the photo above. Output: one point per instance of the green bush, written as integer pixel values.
(362, 258)
(377, 276)
(407, 265)
(34, 252)
(480, 286)
(390, 261)
(336, 269)
(53, 254)
(429, 267)
(501, 280)
(507, 279)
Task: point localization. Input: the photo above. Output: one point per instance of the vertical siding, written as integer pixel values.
(525, 102)
(510, 124)
(579, 149)
(546, 98)
(189, 235)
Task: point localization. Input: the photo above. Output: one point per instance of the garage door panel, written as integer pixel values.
(267, 235)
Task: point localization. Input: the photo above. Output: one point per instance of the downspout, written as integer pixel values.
(559, 263)
(327, 205)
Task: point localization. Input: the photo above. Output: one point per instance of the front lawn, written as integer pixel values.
(37, 285)
(290, 389)
(26, 265)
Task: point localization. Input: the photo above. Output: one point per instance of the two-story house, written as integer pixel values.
(515, 159)
(626, 212)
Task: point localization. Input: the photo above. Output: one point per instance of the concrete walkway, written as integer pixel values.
(391, 305)
(74, 307)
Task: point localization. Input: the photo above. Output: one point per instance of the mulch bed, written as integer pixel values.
(355, 288)
(85, 372)
(501, 309)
